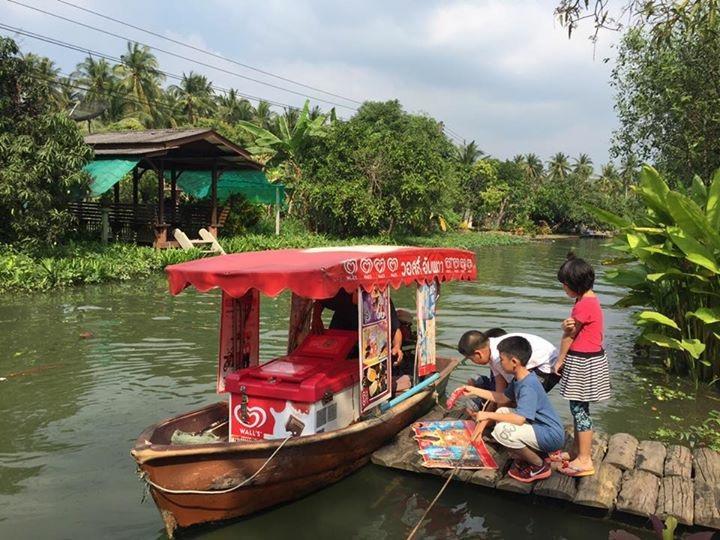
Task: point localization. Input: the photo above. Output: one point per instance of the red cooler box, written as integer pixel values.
(312, 390)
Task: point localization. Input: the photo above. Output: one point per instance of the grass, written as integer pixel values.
(86, 263)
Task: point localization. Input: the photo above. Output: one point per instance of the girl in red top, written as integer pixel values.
(581, 361)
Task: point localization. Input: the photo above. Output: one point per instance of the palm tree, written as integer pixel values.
(609, 177)
(532, 167)
(195, 96)
(232, 109)
(263, 115)
(583, 166)
(44, 70)
(101, 86)
(315, 112)
(291, 117)
(558, 166)
(469, 153)
(140, 79)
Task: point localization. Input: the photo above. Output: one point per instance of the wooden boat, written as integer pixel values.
(200, 483)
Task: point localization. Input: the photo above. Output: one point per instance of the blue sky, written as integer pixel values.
(501, 72)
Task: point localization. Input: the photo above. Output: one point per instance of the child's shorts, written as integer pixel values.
(513, 436)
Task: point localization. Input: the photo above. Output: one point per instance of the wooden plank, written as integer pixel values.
(651, 457)
(639, 493)
(622, 448)
(707, 504)
(601, 489)
(397, 454)
(506, 483)
(599, 448)
(676, 498)
(678, 461)
(706, 464)
(558, 486)
(488, 477)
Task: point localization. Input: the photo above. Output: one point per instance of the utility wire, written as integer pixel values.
(180, 56)
(117, 60)
(209, 53)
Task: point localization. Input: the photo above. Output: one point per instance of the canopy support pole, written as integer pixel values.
(213, 201)
(161, 227)
(135, 189)
(116, 202)
(173, 193)
(277, 211)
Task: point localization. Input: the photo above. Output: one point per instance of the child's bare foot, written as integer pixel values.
(559, 456)
(578, 467)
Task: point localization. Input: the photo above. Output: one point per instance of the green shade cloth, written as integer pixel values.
(107, 172)
(252, 184)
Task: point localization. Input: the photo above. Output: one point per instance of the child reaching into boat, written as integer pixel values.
(482, 349)
(526, 422)
(582, 362)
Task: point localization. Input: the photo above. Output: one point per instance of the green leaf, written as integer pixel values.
(653, 190)
(632, 299)
(608, 217)
(706, 315)
(627, 277)
(694, 347)
(257, 131)
(654, 316)
(663, 341)
(698, 191)
(690, 218)
(712, 210)
(694, 250)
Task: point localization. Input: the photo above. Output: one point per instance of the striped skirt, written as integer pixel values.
(585, 377)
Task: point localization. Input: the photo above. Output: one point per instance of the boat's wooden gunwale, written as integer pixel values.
(144, 452)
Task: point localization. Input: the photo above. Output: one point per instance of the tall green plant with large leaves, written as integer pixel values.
(283, 151)
(671, 264)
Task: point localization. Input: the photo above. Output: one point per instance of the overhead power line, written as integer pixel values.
(174, 76)
(180, 56)
(209, 53)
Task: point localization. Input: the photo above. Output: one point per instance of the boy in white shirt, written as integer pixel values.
(483, 350)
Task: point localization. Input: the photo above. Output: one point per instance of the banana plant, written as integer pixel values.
(670, 262)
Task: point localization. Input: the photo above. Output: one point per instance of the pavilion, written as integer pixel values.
(198, 161)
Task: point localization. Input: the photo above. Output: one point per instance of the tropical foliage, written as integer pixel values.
(670, 262)
(41, 155)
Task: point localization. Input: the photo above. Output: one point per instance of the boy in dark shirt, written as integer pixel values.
(530, 427)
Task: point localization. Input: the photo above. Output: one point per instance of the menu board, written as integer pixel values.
(375, 344)
(239, 335)
(427, 298)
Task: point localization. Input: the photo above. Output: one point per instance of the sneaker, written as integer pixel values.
(518, 465)
(530, 473)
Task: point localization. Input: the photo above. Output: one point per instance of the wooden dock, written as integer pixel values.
(633, 478)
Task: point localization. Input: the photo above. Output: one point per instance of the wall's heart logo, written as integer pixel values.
(256, 416)
(366, 266)
(392, 264)
(350, 266)
(380, 265)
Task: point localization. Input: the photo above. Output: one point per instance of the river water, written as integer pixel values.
(83, 371)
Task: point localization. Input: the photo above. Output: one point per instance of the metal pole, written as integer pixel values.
(277, 211)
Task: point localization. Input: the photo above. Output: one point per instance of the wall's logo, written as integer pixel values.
(380, 265)
(366, 266)
(350, 266)
(256, 416)
(392, 264)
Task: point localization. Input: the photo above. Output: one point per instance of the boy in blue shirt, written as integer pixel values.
(532, 426)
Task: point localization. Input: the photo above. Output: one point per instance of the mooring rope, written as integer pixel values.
(217, 492)
(475, 435)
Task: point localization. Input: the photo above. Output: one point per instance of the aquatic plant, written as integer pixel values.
(670, 262)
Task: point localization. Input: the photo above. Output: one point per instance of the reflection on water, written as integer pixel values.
(88, 369)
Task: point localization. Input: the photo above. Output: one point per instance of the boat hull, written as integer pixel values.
(301, 466)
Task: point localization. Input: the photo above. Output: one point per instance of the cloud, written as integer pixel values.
(501, 73)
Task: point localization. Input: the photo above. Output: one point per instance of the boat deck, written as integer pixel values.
(633, 478)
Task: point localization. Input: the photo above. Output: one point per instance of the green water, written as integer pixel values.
(87, 369)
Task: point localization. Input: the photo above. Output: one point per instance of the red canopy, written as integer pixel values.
(320, 272)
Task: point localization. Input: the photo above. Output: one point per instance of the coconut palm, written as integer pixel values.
(532, 167)
(231, 108)
(43, 69)
(101, 86)
(469, 153)
(263, 115)
(195, 95)
(558, 166)
(583, 166)
(140, 79)
(629, 171)
(609, 178)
